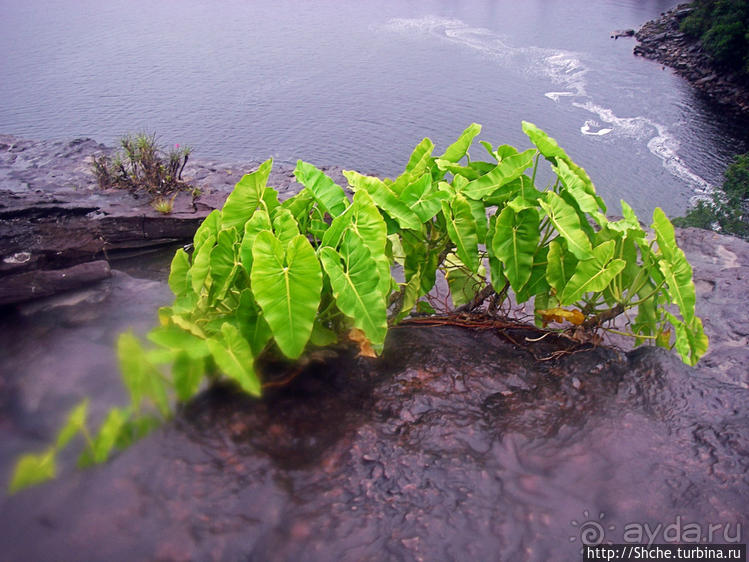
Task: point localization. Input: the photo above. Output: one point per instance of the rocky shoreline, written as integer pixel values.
(60, 231)
(662, 40)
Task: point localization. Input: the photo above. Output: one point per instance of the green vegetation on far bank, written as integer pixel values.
(723, 28)
(727, 211)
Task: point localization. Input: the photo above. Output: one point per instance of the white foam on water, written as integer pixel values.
(659, 142)
(562, 67)
(554, 96)
(587, 128)
(567, 69)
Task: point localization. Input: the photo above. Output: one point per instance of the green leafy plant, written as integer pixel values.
(276, 280)
(142, 166)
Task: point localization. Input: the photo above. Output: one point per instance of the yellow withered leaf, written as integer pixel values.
(573, 316)
(365, 347)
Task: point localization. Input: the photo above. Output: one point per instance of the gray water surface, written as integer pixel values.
(359, 84)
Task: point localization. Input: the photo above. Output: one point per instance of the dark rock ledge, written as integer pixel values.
(59, 231)
(661, 40)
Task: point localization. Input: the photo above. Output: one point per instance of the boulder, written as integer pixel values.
(622, 33)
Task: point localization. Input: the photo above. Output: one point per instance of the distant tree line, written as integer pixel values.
(723, 28)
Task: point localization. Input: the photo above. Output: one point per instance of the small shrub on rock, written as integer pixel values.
(142, 166)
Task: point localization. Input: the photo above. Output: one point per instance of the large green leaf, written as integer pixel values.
(223, 258)
(420, 157)
(464, 284)
(233, 356)
(691, 341)
(106, 438)
(367, 222)
(411, 292)
(545, 144)
(269, 201)
(187, 372)
(210, 226)
(478, 210)
(342, 222)
(246, 196)
(327, 193)
(567, 223)
(507, 170)
(178, 273)
(386, 200)
(33, 469)
(419, 163)
(490, 149)
(251, 323)
(142, 379)
(561, 265)
(175, 338)
(468, 172)
(587, 183)
(287, 284)
(457, 150)
(300, 205)
(363, 218)
(576, 187)
(201, 264)
(420, 260)
(593, 274)
(674, 266)
(354, 278)
(515, 240)
(259, 222)
(536, 283)
(75, 423)
(461, 228)
(285, 226)
(422, 199)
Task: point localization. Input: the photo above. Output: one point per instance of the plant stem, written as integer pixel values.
(535, 167)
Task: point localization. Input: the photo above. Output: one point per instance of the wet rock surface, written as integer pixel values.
(432, 453)
(721, 277)
(54, 216)
(662, 40)
(456, 445)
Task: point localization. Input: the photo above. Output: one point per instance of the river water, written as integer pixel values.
(359, 84)
(435, 453)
